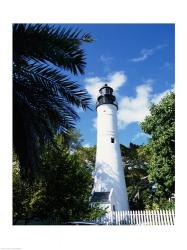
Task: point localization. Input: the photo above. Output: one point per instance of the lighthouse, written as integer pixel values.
(109, 181)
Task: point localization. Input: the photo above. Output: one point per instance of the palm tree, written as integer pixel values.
(43, 95)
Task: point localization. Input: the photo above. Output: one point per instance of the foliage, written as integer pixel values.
(136, 175)
(142, 189)
(160, 124)
(149, 169)
(61, 190)
(26, 196)
(87, 157)
(71, 140)
(74, 183)
(43, 94)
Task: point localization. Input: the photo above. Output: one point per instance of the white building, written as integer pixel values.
(109, 183)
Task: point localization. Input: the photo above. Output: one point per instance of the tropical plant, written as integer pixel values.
(43, 93)
(87, 156)
(136, 175)
(160, 124)
(60, 193)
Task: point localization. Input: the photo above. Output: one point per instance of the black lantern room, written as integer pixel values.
(106, 96)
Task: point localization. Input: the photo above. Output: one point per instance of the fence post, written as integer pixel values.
(134, 217)
(123, 216)
(144, 220)
(129, 217)
(150, 217)
(167, 218)
(153, 217)
(148, 220)
(110, 218)
(173, 216)
(160, 217)
(118, 215)
(140, 217)
(164, 217)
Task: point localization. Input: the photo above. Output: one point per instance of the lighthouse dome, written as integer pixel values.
(106, 96)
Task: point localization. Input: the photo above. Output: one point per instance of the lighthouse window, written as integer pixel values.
(112, 140)
(107, 91)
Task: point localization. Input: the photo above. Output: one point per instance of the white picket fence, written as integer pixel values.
(146, 217)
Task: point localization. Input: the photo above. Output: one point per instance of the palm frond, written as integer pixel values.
(52, 79)
(43, 95)
(58, 45)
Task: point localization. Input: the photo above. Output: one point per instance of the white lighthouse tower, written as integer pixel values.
(109, 183)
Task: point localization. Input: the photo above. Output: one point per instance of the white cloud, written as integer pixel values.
(145, 53)
(135, 109)
(93, 84)
(115, 80)
(106, 60)
(139, 135)
(157, 98)
(86, 145)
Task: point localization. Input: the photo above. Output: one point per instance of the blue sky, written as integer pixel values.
(137, 60)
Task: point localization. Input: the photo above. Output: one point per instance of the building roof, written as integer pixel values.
(100, 197)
